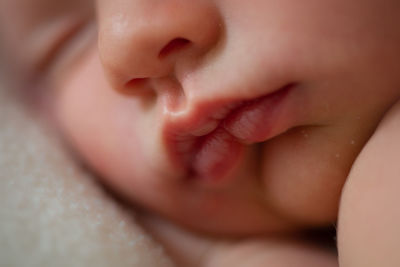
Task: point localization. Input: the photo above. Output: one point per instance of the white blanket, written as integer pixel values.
(52, 213)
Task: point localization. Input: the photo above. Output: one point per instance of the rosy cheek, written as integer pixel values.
(104, 127)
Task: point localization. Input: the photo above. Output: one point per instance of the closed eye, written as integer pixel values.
(66, 39)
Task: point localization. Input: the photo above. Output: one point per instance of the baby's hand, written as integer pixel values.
(369, 219)
(194, 250)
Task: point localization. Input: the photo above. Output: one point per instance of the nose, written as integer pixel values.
(144, 40)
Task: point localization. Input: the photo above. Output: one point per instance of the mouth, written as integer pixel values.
(210, 143)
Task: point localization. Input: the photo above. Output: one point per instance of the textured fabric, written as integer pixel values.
(52, 213)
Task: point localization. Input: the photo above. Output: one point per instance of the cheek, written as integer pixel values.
(99, 124)
(304, 172)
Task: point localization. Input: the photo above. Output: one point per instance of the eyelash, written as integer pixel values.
(62, 41)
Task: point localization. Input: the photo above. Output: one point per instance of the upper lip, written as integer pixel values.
(182, 130)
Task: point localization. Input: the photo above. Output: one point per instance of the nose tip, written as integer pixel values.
(141, 40)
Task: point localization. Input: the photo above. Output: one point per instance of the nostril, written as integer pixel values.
(173, 46)
(138, 87)
(136, 82)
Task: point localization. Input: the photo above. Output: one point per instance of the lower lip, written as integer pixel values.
(218, 153)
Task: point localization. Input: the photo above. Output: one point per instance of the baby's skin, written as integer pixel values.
(231, 117)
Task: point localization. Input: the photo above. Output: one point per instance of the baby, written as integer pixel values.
(231, 117)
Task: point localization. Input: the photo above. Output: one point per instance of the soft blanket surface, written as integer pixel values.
(52, 213)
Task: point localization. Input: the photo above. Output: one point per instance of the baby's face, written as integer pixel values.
(232, 116)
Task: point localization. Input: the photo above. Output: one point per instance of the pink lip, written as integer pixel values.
(211, 143)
